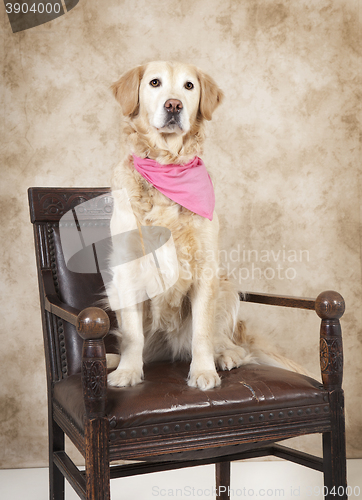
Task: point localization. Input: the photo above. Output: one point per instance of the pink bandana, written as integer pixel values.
(188, 185)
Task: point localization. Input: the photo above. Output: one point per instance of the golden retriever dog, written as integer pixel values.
(165, 106)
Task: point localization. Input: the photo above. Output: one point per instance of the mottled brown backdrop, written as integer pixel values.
(283, 151)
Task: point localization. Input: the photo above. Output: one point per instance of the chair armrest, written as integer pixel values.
(330, 307)
(52, 302)
(278, 300)
(91, 323)
(63, 311)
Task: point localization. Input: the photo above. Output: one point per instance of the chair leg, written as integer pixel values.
(97, 460)
(222, 475)
(56, 478)
(334, 450)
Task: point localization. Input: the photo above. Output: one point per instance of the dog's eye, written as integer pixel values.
(189, 85)
(155, 83)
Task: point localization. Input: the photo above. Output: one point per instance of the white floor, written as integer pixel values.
(272, 479)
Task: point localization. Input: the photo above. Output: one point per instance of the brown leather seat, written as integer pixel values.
(249, 395)
(162, 421)
(163, 404)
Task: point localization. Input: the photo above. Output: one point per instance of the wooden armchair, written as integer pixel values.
(163, 423)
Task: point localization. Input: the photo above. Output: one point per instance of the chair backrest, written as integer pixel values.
(53, 215)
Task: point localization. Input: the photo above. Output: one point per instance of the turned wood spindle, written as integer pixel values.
(93, 325)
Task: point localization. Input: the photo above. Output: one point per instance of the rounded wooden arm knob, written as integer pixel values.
(92, 323)
(329, 305)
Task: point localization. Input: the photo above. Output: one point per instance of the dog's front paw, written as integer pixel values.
(233, 358)
(204, 380)
(124, 378)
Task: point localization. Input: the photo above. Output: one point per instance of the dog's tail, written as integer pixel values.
(275, 359)
(264, 355)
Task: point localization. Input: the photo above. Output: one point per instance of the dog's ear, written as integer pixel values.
(126, 89)
(210, 96)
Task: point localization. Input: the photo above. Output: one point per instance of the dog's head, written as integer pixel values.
(167, 98)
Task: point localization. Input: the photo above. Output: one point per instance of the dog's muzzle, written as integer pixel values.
(173, 108)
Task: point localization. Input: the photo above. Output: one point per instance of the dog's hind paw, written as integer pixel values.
(233, 358)
(124, 378)
(204, 380)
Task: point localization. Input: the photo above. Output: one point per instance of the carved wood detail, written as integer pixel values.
(331, 355)
(50, 204)
(93, 372)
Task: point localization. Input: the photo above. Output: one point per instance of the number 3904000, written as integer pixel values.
(34, 8)
(336, 492)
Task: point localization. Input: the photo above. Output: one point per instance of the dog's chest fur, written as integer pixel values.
(152, 208)
(190, 236)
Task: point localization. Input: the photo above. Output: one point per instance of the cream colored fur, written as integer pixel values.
(197, 319)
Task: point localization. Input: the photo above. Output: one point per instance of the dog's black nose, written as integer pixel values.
(173, 106)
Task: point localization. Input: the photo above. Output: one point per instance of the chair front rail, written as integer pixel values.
(277, 450)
